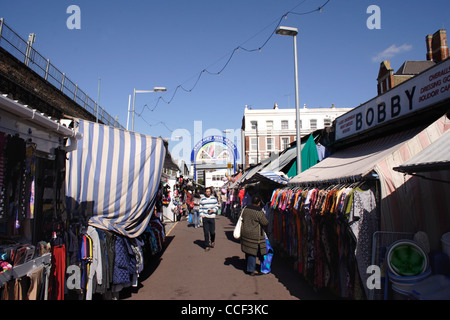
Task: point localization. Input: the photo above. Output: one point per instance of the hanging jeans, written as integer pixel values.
(209, 229)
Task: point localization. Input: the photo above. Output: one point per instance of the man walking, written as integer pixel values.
(208, 208)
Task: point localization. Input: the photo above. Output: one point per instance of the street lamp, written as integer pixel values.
(288, 31)
(155, 89)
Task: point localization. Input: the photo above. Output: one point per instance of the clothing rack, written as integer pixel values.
(25, 268)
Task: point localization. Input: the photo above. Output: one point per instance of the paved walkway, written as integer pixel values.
(184, 271)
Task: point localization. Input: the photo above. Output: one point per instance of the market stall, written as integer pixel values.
(32, 169)
(112, 185)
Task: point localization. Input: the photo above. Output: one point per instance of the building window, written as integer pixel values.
(284, 143)
(253, 144)
(327, 122)
(313, 123)
(270, 144)
(269, 124)
(284, 124)
(254, 124)
(252, 160)
(295, 124)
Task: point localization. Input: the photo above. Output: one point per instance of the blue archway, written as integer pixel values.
(216, 151)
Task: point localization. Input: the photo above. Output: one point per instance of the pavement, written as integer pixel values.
(184, 271)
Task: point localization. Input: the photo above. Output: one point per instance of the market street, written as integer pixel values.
(186, 272)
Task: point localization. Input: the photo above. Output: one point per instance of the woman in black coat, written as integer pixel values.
(253, 240)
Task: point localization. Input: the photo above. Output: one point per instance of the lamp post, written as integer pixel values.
(155, 89)
(288, 31)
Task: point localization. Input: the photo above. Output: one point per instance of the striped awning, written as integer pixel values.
(435, 157)
(112, 178)
(278, 177)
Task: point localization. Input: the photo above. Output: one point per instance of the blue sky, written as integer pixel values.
(142, 44)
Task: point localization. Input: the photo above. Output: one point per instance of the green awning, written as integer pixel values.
(310, 157)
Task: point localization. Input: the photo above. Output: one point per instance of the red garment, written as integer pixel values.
(241, 195)
(57, 274)
(189, 200)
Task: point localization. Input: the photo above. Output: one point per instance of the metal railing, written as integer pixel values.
(23, 51)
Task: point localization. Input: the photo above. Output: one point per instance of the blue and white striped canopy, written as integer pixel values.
(113, 177)
(277, 177)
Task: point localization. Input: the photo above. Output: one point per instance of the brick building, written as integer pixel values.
(437, 50)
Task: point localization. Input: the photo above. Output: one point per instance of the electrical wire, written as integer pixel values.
(231, 55)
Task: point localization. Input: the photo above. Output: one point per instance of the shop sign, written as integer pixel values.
(424, 90)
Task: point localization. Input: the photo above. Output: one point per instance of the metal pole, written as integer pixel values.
(47, 69)
(132, 111)
(1, 27)
(128, 113)
(297, 111)
(257, 143)
(98, 99)
(62, 81)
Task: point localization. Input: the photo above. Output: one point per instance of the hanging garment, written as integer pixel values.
(124, 263)
(36, 278)
(57, 274)
(96, 262)
(365, 222)
(3, 212)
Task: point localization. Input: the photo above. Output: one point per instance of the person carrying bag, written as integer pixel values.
(253, 235)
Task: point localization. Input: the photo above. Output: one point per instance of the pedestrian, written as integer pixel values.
(253, 239)
(195, 210)
(224, 199)
(208, 208)
(190, 205)
(249, 192)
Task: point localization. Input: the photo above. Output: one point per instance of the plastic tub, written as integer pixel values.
(403, 284)
(406, 258)
(436, 287)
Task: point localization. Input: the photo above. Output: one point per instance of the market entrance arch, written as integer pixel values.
(214, 152)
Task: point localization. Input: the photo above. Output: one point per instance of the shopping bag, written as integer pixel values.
(237, 228)
(267, 261)
(190, 218)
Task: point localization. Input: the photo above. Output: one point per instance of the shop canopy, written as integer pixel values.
(282, 160)
(271, 166)
(113, 177)
(435, 157)
(270, 176)
(353, 163)
(310, 157)
(406, 204)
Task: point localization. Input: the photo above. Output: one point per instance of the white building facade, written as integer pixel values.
(272, 130)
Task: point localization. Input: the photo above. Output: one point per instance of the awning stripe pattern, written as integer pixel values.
(279, 177)
(113, 177)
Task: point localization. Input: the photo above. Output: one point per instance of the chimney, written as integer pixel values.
(437, 48)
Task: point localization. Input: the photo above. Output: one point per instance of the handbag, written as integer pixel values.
(237, 228)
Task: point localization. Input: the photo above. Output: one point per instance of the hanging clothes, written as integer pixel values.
(328, 232)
